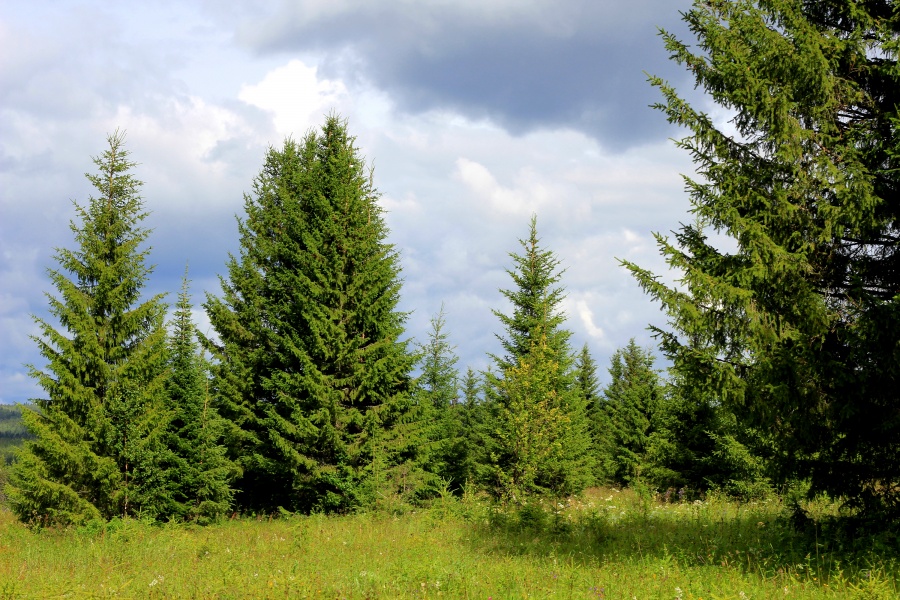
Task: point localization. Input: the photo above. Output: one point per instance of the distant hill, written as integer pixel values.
(12, 432)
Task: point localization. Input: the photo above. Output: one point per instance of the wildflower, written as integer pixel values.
(678, 593)
(742, 596)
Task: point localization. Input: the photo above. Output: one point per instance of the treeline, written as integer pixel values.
(305, 399)
(786, 367)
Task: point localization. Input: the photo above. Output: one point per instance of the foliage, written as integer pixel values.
(796, 327)
(94, 452)
(473, 467)
(681, 447)
(602, 444)
(311, 371)
(530, 425)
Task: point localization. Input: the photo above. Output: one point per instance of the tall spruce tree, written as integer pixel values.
(534, 380)
(312, 372)
(97, 435)
(796, 327)
(199, 471)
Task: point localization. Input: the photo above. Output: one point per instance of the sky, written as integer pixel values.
(474, 114)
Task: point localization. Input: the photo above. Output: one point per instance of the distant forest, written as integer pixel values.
(12, 431)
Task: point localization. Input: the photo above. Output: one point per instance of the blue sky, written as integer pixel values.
(474, 115)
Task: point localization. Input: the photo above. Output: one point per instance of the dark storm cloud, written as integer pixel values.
(525, 66)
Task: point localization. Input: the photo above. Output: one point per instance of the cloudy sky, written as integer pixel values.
(475, 114)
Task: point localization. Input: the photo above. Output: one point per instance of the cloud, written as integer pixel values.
(474, 115)
(295, 96)
(586, 315)
(524, 65)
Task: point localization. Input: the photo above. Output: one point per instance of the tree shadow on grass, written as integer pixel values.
(755, 537)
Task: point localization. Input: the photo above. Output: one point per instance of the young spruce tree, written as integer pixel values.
(97, 448)
(199, 472)
(631, 400)
(540, 428)
(601, 435)
(438, 406)
(796, 326)
(312, 372)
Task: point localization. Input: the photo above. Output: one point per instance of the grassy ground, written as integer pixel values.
(608, 544)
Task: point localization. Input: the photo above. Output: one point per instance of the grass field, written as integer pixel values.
(607, 544)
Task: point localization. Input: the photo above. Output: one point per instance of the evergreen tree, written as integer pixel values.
(536, 298)
(437, 399)
(536, 326)
(96, 446)
(631, 399)
(312, 373)
(681, 445)
(796, 327)
(600, 428)
(438, 383)
(474, 460)
(530, 426)
(199, 472)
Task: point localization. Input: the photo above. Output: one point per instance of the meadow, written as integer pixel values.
(606, 543)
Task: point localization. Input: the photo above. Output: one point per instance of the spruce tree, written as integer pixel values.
(96, 449)
(438, 404)
(631, 400)
(530, 425)
(794, 327)
(600, 428)
(199, 472)
(311, 370)
(472, 417)
(536, 325)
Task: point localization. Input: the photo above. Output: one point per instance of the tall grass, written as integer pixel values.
(605, 544)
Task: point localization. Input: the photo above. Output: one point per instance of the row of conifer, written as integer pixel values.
(307, 398)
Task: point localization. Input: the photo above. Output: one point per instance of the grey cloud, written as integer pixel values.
(567, 64)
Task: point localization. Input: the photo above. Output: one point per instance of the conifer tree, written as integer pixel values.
(600, 428)
(680, 447)
(437, 400)
(794, 328)
(96, 449)
(536, 298)
(631, 400)
(472, 418)
(438, 384)
(198, 471)
(530, 424)
(536, 325)
(312, 373)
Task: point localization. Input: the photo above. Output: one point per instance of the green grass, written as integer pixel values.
(607, 544)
